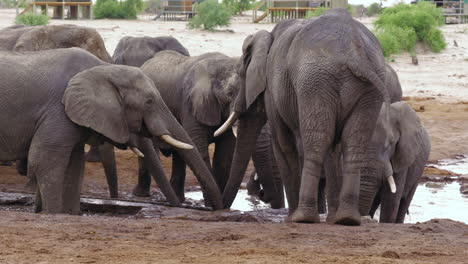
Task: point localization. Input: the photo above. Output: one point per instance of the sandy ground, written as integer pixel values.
(437, 88)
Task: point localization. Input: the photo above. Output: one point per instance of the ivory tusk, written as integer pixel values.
(175, 143)
(234, 131)
(256, 177)
(229, 122)
(391, 182)
(137, 152)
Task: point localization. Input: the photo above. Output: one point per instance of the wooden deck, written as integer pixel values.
(76, 9)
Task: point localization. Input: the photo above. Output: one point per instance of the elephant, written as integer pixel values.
(403, 148)
(135, 51)
(68, 97)
(320, 82)
(36, 38)
(198, 90)
(331, 178)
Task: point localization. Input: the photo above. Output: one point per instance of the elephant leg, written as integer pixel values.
(358, 155)
(22, 167)
(253, 185)
(178, 176)
(287, 159)
(222, 158)
(322, 202)
(142, 189)
(317, 117)
(74, 179)
(334, 180)
(93, 154)
(52, 167)
(107, 155)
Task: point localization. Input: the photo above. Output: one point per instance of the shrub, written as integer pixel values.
(209, 15)
(113, 9)
(238, 6)
(374, 9)
(30, 19)
(422, 19)
(395, 39)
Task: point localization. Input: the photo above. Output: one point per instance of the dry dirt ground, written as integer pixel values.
(437, 88)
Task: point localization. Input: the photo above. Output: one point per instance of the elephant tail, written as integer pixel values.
(369, 74)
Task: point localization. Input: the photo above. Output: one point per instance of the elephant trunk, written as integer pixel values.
(370, 185)
(152, 162)
(249, 128)
(263, 161)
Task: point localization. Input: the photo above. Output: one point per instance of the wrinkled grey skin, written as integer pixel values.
(403, 149)
(332, 170)
(135, 51)
(321, 82)
(36, 38)
(62, 108)
(198, 91)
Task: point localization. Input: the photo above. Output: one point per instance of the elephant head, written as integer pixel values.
(122, 104)
(248, 108)
(135, 51)
(209, 87)
(62, 36)
(400, 140)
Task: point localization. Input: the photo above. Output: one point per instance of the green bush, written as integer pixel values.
(395, 39)
(114, 9)
(374, 9)
(210, 14)
(422, 19)
(30, 19)
(238, 6)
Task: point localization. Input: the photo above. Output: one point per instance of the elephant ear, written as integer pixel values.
(409, 128)
(255, 52)
(92, 100)
(201, 100)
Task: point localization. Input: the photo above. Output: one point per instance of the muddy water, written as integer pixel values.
(431, 200)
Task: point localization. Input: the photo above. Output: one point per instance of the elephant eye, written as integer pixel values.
(149, 101)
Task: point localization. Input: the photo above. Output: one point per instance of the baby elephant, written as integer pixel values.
(403, 148)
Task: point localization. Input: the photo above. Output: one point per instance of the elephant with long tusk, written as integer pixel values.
(68, 97)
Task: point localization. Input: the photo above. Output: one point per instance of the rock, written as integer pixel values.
(414, 59)
(390, 254)
(455, 43)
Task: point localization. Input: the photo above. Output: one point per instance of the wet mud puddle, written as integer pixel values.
(431, 200)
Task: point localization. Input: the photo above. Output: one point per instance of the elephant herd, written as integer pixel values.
(312, 102)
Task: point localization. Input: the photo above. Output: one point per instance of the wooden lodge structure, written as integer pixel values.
(62, 9)
(176, 9)
(278, 10)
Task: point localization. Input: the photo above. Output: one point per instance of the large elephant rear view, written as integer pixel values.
(321, 82)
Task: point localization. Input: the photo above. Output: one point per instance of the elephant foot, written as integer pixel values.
(331, 218)
(348, 217)
(31, 185)
(93, 155)
(141, 192)
(305, 215)
(277, 204)
(181, 197)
